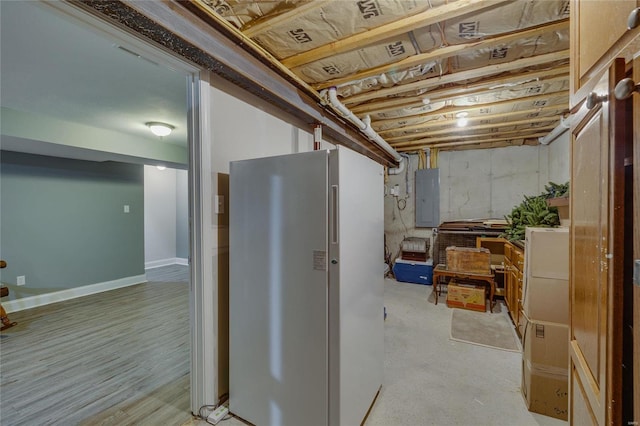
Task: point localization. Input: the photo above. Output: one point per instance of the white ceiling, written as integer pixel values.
(52, 66)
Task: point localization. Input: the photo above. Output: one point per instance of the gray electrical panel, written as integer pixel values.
(427, 198)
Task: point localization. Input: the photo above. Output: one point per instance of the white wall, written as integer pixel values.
(242, 131)
(182, 215)
(164, 207)
(559, 159)
(398, 223)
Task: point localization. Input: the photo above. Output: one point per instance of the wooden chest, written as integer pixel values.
(470, 260)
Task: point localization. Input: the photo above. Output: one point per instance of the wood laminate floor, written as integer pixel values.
(114, 358)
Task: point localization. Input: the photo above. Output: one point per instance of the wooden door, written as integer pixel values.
(597, 232)
(636, 241)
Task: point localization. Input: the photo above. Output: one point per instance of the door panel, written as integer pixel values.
(597, 255)
(580, 408)
(588, 234)
(356, 286)
(278, 289)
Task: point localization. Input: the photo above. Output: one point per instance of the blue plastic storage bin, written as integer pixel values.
(411, 271)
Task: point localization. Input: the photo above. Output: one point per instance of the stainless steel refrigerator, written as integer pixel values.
(306, 288)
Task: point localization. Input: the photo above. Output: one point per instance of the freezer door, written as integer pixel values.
(278, 290)
(356, 324)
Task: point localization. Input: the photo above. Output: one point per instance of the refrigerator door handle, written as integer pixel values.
(334, 215)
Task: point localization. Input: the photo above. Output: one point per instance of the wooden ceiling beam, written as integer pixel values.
(460, 76)
(472, 142)
(253, 29)
(560, 109)
(446, 52)
(455, 129)
(491, 85)
(395, 125)
(510, 134)
(456, 109)
(392, 29)
(499, 144)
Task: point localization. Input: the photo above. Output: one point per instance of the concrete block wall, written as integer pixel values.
(488, 183)
(477, 184)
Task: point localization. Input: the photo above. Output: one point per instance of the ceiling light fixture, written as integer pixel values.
(462, 118)
(160, 129)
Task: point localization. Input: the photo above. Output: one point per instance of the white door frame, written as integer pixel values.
(203, 295)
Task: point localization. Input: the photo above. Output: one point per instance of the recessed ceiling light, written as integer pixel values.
(160, 129)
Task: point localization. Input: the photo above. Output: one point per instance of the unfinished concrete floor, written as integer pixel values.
(432, 380)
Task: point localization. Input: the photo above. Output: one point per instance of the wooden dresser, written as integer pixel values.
(513, 279)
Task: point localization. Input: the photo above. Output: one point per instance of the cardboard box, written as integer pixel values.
(466, 296)
(546, 299)
(546, 281)
(470, 260)
(547, 253)
(546, 344)
(411, 271)
(545, 392)
(545, 368)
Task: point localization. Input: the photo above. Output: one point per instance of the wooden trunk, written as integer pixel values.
(470, 260)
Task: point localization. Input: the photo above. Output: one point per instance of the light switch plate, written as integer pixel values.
(218, 204)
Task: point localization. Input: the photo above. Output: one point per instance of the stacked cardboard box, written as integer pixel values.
(466, 296)
(545, 355)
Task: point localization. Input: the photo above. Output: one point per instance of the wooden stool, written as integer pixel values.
(4, 291)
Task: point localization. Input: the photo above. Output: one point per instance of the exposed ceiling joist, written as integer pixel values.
(520, 80)
(409, 23)
(488, 53)
(257, 27)
(555, 109)
(448, 51)
(461, 76)
(485, 145)
(529, 121)
(470, 108)
(441, 145)
(510, 134)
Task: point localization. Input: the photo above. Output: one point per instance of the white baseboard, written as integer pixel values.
(166, 262)
(71, 293)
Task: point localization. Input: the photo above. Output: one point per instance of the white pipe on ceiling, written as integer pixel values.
(565, 124)
(365, 126)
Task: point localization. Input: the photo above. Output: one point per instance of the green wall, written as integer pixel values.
(63, 223)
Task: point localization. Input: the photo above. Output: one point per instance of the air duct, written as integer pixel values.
(365, 126)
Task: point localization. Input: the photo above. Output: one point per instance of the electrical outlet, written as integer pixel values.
(20, 280)
(126, 208)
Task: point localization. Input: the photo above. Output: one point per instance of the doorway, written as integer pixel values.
(91, 124)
